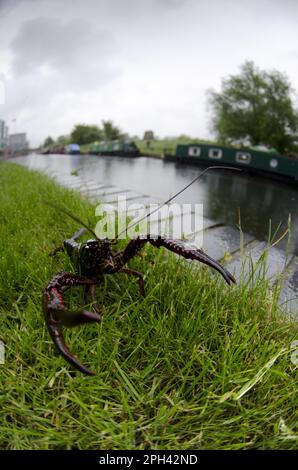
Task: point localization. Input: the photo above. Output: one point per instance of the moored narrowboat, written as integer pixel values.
(256, 161)
(73, 149)
(115, 147)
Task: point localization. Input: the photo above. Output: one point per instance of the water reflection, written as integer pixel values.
(256, 201)
(225, 194)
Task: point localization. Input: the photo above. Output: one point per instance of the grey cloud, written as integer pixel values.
(7, 5)
(138, 62)
(56, 44)
(56, 63)
(171, 3)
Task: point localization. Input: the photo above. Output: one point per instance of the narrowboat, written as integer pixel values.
(73, 149)
(125, 148)
(53, 149)
(255, 161)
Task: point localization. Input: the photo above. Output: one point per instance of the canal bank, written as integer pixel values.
(183, 357)
(227, 199)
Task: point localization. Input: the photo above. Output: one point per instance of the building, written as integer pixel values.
(2, 135)
(6, 137)
(18, 142)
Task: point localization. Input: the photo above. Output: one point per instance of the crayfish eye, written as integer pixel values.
(91, 244)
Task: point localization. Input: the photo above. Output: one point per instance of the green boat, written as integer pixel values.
(256, 161)
(125, 148)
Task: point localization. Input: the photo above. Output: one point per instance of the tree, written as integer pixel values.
(255, 106)
(48, 142)
(85, 134)
(148, 135)
(111, 132)
(63, 140)
(148, 138)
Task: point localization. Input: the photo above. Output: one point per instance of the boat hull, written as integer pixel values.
(252, 161)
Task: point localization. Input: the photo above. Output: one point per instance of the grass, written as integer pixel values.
(195, 365)
(158, 147)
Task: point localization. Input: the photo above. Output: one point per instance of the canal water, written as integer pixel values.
(260, 204)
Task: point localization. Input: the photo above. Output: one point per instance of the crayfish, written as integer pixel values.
(94, 259)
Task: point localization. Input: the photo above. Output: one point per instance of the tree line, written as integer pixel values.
(254, 108)
(86, 134)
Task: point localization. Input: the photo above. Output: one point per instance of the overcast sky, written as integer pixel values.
(145, 64)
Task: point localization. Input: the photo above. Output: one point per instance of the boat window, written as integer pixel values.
(273, 163)
(215, 153)
(194, 151)
(243, 157)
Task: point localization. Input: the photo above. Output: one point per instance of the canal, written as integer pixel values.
(262, 205)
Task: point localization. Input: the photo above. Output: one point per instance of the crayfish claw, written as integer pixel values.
(191, 252)
(55, 329)
(64, 351)
(69, 318)
(57, 315)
